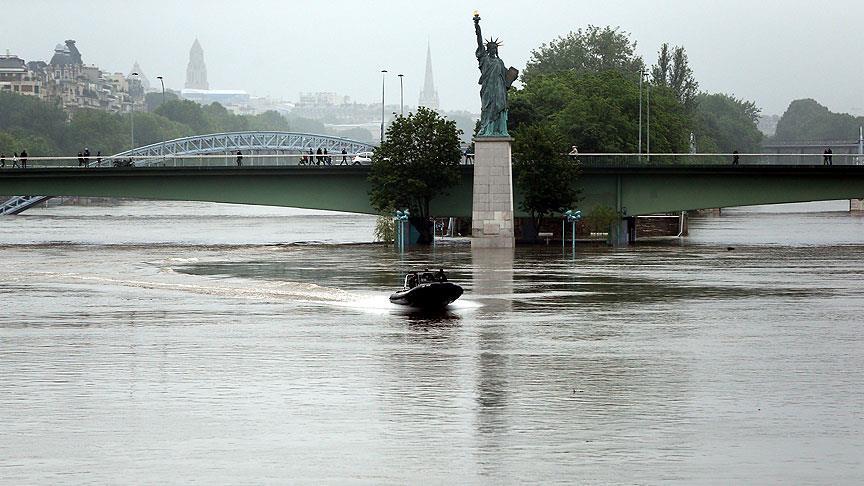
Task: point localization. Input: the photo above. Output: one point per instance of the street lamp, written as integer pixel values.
(401, 219)
(132, 111)
(641, 77)
(163, 88)
(648, 120)
(383, 74)
(571, 217)
(401, 98)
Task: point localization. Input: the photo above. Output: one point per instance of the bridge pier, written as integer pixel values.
(492, 205)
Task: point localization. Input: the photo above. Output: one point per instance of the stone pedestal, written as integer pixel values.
(856, 205)
(492, 212)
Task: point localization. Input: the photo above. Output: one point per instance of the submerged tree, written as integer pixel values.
(544, 173)
(417, 161)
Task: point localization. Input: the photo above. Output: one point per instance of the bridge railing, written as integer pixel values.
(660, 160)
(622, 160)
(208, 160)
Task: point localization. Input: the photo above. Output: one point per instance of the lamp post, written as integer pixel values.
(641, 77)
(401, 218)
(132, 112)
(383, 74)
(571, 217)
(648, 120)
(401, 97)
(163, 88)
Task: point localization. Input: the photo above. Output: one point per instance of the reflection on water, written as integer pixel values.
(205, 344)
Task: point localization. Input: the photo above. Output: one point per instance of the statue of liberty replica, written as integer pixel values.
(492, 202)
(495, 80)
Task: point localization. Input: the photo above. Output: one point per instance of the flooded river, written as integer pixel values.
(216, 344)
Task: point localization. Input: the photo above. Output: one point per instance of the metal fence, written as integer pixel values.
(664, 160)
(598, 160)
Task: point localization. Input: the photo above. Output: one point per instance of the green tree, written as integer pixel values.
(807, 120)
(417, 161)
(269, 120)
(724, 123)
(154, 99)
(543, 173)
(591, 50)
(599, 112)
(673, 71)
(188, 113)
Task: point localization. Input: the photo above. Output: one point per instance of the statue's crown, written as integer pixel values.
(493, 43)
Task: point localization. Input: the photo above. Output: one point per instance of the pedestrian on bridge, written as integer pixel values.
(344, 157)
(86, 156)
(80, 159)
(23, 157)
(15, 160)
(98, 158)
(327, 159)
(734, 157)
(827, 156)
(319, 156)
(2, 160)
(239, 158)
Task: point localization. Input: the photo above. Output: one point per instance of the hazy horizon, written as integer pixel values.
(770, 52)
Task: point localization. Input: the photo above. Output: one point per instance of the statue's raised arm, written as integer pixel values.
(480, 48)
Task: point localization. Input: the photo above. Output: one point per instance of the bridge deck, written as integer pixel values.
(632, 190)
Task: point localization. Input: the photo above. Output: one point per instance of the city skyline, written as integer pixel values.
(771, 52)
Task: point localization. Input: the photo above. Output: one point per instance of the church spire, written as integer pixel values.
(429, 96)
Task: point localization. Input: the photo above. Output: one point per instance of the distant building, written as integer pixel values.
(429, 96)
(15, 77)
(196, 70)
(69, 82)
(767, 124)
(224, 97)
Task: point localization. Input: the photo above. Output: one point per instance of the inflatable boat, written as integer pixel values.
(426, 290)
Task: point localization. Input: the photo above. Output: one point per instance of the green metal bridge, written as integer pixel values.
(631, 190)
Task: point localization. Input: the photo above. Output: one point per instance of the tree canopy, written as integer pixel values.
(591, 50)
(585, 87)
(807, 120)
(417, 161)
(725, 123)
(543, 172)
(43, 128)
(673, 71)
(599, 112)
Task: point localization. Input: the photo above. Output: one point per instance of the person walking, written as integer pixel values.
(827, 156)
(311, 156)
(23, 157)
(86, 156)
(327, 158)
(2, 160)
(734, 157)
(80, 159)
(239, 158)
(15, 160)
(98, 158)
(319, 156)
(344, 157)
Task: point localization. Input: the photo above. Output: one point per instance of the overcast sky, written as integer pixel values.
(768, 51)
